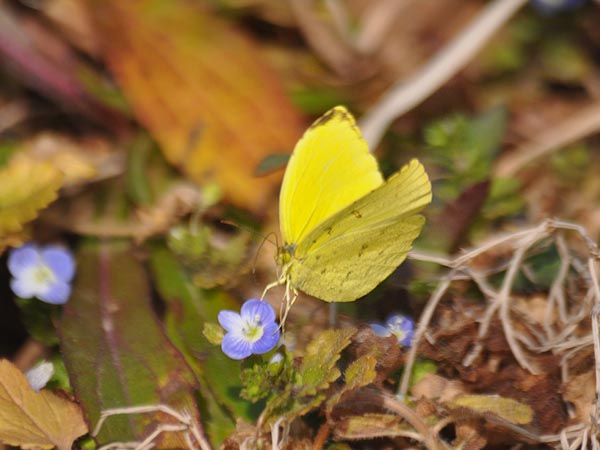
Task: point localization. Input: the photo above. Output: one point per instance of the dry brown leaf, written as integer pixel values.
(81, 160)
(370, 426)
(202, 89)
(579, 390)
(30, 419)
(506, 408)
(435, 387)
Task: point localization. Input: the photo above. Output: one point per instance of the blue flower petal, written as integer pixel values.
(231, 321)
(268, 340)
(22, 259)
(402, 327)
(60, 261)
(56, 294)
(253, 307)
(23, 288)
(380, 330)
(550, 7)
(235, 346)
(399, 322)
(407, 340)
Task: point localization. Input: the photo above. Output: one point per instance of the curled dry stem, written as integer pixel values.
(567, 312)
(499, 300)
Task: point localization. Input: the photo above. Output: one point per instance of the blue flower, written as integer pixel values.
(45, 272)
(398, 325)
(254, 330)
(549, 7)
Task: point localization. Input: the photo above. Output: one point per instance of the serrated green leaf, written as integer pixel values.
(359, 373)
(27, 186)
(316, 372)
(318, 365)
(264, 377)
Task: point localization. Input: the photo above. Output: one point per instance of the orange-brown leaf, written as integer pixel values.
(202, 89)
(30, 419)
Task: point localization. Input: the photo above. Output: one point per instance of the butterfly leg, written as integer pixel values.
(289, 298)
(269, 287)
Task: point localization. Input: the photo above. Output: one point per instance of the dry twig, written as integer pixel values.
(566, 317)
(405, 95)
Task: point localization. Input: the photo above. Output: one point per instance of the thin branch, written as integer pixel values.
(504, 298)
(407, 94)
(421, 329)
(398, 407)
(377, 22)
(551, 139)
(323, 40)
(596, 334)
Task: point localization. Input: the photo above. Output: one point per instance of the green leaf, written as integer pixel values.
(209, 265)
(317, 371)
(564, 60)
(421, 369)
(263, 377)
(359, 373)
(38, 318)
(465, 147)
(188, 310)
(115, 350)
(318, 367)
(271, 163)
(504, 199)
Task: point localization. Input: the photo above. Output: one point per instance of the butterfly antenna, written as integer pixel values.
(254, 233)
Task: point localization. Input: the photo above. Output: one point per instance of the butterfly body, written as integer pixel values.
(344, 228)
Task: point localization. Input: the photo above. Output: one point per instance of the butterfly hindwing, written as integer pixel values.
(350, 253)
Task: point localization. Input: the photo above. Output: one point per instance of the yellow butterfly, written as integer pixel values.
(344, 228)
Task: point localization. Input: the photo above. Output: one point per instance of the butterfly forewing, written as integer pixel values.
(330, 168)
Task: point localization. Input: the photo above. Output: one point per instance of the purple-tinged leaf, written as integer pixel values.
(115, 350)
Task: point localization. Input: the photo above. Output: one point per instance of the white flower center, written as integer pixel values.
(40, 276)
(253, 328)
(43, 275)
(397, 328)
